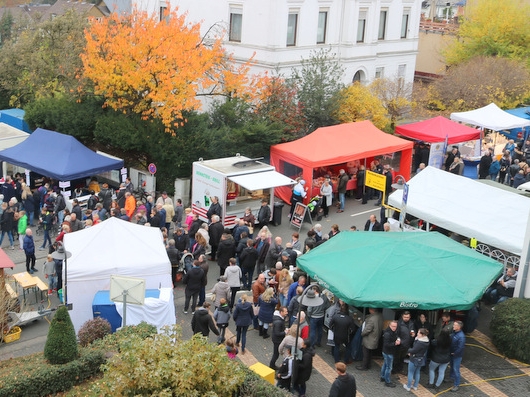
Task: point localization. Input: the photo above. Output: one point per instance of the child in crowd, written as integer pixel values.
(285, 372)
(51, 274)
(189, 217)
(22, 226)
(231, 348)
(222, 317)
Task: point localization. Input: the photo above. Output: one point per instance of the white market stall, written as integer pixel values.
(472, 209)
(115, 247)
(491, 117)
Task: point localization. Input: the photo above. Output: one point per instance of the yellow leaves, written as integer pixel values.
(357, 103)
(157, 69)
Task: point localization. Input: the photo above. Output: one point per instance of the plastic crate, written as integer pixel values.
(13, 335)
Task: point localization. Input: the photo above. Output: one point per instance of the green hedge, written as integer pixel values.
(255, 386)
(510, 328)
(46, 379)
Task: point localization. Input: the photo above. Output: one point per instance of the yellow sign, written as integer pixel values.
(375, 180)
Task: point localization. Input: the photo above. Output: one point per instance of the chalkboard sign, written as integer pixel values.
(300, 214)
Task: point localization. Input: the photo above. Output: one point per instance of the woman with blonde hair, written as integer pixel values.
(289, 341)
(28, 202)
(199, 248)
(267, 304)
(284, 282)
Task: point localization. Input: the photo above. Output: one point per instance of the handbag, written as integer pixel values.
(213, 297)
(256, 310)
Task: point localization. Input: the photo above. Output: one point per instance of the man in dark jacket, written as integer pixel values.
(215, 231)
(264, 214)
(484, 164)
(182, 240)
(305, 366)
(202, 322)
(105, 196)
(406, 333)
(247, 261)
(194, 279)
(278, 333)
(390, 342)
(215, 208)
(343, 327)
(225, 251)
(344, 385)
(174, 258)
(372, 225)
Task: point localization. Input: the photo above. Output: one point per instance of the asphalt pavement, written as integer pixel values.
(484, 372)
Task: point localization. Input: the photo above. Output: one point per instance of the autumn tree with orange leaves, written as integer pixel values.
(158, 69)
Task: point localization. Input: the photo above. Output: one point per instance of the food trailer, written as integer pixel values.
(238, 182)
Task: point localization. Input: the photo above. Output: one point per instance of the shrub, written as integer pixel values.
(164, 363)
(61, 344)
(92, 330)
(255, 386)
(36, 378)
(510, 328)
(113, 341)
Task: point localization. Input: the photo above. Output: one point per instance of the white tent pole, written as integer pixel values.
(522, 286)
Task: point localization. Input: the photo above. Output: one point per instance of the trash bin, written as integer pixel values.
(277, 213)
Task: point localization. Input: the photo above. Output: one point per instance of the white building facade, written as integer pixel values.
(370, 38)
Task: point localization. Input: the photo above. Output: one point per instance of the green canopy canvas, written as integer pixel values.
(396, 270)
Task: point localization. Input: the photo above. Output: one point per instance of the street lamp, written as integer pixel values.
(61, 254)
(308, 299)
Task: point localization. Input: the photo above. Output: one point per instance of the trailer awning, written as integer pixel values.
(262, 180)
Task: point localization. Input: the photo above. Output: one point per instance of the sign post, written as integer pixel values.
(299, 214)
(376, 181)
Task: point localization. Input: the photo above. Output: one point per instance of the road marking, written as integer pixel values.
(366, 212)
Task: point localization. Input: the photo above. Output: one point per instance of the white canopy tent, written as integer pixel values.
(491, 117)
(493, 216)
(114, 247)
(9, 137)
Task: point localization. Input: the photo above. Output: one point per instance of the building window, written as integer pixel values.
(379, 73)
(361, 26)
(292, 23)
(236, 21)
(382, 25)
(404, 24)
(401, 72)
(357, 77)
(163, 14)
(321, 29)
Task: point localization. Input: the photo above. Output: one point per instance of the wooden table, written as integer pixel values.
(26, 281)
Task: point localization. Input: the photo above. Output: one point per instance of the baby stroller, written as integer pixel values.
(314, 207)
(185, 264)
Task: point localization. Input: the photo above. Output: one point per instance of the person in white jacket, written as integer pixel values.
(233, 278)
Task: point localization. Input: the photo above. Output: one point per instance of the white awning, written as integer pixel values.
(262, 180)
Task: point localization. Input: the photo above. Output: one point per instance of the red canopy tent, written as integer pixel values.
(437, 129)
(335, 145)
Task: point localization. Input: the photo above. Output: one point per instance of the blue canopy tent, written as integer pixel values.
(58, 156)
(513, 133)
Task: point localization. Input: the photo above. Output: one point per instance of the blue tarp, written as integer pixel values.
(58, 156)
(523, 112)
(14, 118)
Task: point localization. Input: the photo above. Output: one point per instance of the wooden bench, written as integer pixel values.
(11, 292)
(41, 285)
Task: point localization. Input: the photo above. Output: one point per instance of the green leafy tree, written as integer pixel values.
(61, 343)
(318, 81)
(358, 103)
(66, 115)
(166, 365)
(6, 25)
(479, 82)
(492, 28)
(44, 60)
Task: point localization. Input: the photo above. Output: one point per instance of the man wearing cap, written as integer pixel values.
(264, 214)
(343, 182)
(299, 193)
